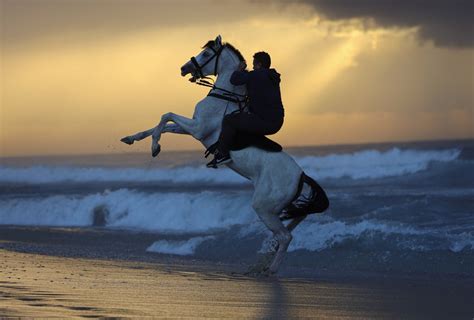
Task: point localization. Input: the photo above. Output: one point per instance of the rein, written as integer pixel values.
(227, 95)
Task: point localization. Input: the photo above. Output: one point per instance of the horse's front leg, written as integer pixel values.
(190, 126)
(137, 136)
(172, 128)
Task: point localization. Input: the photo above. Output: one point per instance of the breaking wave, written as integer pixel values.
(374, 163)
(163, 212)
(213, 215)
(368, 164)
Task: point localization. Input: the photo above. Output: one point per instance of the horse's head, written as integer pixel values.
(206, 62)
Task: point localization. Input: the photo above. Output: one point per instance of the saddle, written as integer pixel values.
(244, 140)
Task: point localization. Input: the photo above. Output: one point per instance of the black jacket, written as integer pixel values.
(263, 89)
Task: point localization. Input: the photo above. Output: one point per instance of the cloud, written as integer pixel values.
(37, 20)
(448, 23)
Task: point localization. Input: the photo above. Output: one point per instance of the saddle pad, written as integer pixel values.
(262, 142)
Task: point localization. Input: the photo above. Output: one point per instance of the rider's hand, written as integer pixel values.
(242, 66)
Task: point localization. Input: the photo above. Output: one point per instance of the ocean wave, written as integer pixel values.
(218, 214)
(375, 164)
(49, 174)
(368, 164)
(378, 235)
(163, 212)
(461, 242)
(320, 236)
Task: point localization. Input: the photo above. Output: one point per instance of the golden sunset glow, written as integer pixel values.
(71, 88)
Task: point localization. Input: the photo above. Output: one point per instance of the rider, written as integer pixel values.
(266, 113)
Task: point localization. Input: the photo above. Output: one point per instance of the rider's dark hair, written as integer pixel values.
(263, 58)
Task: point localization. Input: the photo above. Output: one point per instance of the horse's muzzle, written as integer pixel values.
(187, 68)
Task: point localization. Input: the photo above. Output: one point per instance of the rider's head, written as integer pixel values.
(261, 60)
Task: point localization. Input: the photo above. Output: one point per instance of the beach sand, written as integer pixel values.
(48, 272)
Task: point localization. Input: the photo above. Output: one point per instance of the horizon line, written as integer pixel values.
(284, 147)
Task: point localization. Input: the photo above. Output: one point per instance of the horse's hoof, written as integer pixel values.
(268, 273)
(255, 274)
(155, 149)
(271, 271)
(127, 140)
(260, 273)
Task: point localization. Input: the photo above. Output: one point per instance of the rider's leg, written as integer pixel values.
(222, 152)
(245, 123)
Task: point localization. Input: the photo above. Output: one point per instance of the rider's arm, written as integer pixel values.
(239, 78)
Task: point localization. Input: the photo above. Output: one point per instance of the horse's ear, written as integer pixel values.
(218, 41)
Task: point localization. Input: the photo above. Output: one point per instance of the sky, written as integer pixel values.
(77, 75)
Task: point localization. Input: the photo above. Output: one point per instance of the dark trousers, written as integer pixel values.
(249, 123)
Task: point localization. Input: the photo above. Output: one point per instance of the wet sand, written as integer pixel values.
(47, 273)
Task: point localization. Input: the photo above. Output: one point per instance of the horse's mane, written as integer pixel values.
(212, 43)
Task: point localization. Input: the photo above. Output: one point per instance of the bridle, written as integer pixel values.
(216, 55)
(227, 95)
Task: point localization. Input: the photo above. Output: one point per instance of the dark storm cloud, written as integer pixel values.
(448, 23)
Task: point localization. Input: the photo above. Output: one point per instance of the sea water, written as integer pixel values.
(393, 206)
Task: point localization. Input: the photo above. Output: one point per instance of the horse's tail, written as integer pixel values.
(320, 202)
(310, 198)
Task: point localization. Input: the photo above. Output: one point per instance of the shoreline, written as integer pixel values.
(125, 245)
(67, 272)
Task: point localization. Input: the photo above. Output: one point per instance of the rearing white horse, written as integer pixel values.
(281, 189)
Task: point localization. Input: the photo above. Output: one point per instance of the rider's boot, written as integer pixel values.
(219, 159)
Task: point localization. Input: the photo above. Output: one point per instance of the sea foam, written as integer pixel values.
(178, 247)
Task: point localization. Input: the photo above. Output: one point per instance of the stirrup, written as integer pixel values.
(224, 161)
(212, 149)
(214, 163)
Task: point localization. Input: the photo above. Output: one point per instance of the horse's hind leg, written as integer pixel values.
(295, 222)
(281, 234)
(290, 227)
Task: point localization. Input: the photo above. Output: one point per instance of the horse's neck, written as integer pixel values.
(216, 111)
(224, 72)
(223, 82)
